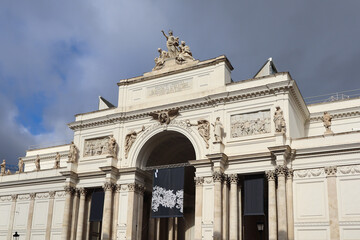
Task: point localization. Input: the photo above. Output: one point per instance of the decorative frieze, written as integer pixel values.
(248, 124)
(5, 198)
(308, 173)
(60, 194)
(24, 197)
(353, 169)
(270, 175)
(96, 146)
(42, 195)
(330, 171)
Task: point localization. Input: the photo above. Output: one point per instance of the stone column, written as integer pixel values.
(65, 235)
(239, 212)
(12, 215)
(272, 221)
(198, 207)
(333, 202)
(225, 207)
(157, 228)
(140, 203)
(81, 215)
(132, 214)
(218, 178)
(50, 214)
(281, 203)
(30, 215)
(116, 211)
(233, 207)
(289, 203)
(75, 212)
(87, 219)
(170, 228)
(106, 220)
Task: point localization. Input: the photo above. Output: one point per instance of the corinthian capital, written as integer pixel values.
(233, 178)
(281, 171)
(108, 186)
(199, 180)
(217, 176)
(270, 175)
(331, 171)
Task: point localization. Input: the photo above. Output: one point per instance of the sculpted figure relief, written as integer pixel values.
(218, 129)
(57, 161)
(3, 166)
(279, 121)
(326, 118)
(165, 117)
(203, 129)
(179, 52)
(21, 165)
(37, 163)
(112, 146)
(73, 153)
(130, 139)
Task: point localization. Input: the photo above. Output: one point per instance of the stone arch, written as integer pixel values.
(138, 153)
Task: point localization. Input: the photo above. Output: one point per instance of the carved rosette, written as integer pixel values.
(281, 171)
(218, 176)
(233, 178)
(52, 194)
(199, 181)
(270, 175)
(108, 186)
(289, 173)
(330, 171)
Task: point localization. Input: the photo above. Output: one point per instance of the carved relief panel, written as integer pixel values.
(96, 146)
(248, 124)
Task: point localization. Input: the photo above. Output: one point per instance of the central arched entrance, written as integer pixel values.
(168, 149)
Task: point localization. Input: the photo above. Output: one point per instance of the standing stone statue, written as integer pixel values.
(218, 129)
(8, 172)
(57, 161)
(21, 165)
(171, 43)
(3, 166)
(112, 147)
(37, 163)
(72, 153)
(279, 121)
(130, 139)
(326, 118)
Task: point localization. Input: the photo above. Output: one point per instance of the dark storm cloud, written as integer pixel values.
(70, 52)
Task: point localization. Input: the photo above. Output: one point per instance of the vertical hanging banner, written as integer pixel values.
(168, 193)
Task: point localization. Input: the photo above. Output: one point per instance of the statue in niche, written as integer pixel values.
(171, 44)
(130, 139)
(57, 161)
(218, 129)
(326, 118)
(3, 166)
(160, 61)
(203, 129)
(184, 54)
(37, 163)
(73, 152)
(21, 165)
(112, 147)
(165, 117)
(279, 121)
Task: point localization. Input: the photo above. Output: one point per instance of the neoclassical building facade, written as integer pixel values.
(262, 163)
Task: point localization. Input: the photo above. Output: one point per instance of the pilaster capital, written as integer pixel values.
(270, 175)
(13, 197)
(32, 196)
(82, 191)
(330, 171)
(135, 187)
(52, 194)
(218, 176)
(108, 186)
(289, 173)
(199, 181)
(281, 171)
(233, 178)
(68, 190)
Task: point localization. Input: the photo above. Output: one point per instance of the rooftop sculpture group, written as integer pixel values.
(179, 52)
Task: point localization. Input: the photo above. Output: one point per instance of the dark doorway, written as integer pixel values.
(255, 207)
(96, 213)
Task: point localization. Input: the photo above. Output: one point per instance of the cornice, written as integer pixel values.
(209, 101)
(328, 150)
(50, 156)
(32, 182)
(352, 112)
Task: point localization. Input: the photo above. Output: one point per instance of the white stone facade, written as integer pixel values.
(312, 178)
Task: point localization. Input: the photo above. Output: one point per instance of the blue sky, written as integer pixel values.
(57, 57)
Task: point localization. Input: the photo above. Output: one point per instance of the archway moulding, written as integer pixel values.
(135, 158)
